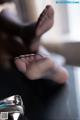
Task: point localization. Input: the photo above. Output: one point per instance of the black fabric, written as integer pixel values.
(43, 99)
(34, 93)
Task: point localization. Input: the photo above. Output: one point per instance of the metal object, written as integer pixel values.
(13, 106)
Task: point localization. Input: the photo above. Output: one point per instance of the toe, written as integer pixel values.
(38, 57)
(42, 14)
(31, 58)
(27, 60)
(20, 65)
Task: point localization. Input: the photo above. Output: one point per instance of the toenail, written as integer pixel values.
(16, 58)
(21, 56)
(23, 59)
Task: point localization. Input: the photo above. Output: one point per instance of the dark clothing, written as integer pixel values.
(34, 93)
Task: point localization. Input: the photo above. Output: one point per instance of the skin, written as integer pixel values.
(29, 34)
(35, 66)
(22, 40)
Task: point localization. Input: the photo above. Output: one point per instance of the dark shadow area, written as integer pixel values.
(43, 99)
(4, 1)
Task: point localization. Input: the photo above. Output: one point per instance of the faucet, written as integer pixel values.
(12, 106)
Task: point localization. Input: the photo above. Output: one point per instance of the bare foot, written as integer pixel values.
(45, 21)
(33, 66)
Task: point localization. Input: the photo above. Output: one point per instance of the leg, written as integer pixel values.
(37, 66)
(43, 24)
(35, 30)
(29, 33)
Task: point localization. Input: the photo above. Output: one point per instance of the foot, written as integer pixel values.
(45, 21)
(33, 66)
